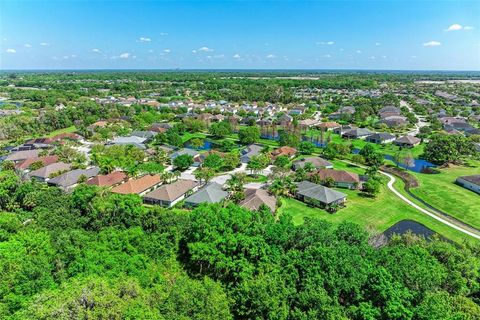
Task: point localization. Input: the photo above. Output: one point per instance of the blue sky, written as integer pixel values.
(412, 35)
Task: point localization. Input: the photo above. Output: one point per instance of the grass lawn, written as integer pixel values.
(60, 131)
(378, 214)
(440, 191)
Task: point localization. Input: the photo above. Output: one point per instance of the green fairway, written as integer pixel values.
(374, 214)
(441, 192)
(60, 131)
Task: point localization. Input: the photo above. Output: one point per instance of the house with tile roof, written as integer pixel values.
(255, 198)
(471, 183)
(407, 141)
(46, 160)
(318, 195)
(168, 195)
(43, 174)
(210, 193)
(70, 179)
(342, 178)
(108, 180)
(138, 186)
(317, 163)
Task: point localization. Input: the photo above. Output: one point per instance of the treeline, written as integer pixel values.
(96, 255)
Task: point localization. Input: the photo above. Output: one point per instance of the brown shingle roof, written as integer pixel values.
(254, 198)
(137, 185)
(339, 175)
(171, 192)
(108, 180)
(284, 151)
(25, 164)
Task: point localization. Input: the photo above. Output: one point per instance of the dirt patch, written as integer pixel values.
(410, 181)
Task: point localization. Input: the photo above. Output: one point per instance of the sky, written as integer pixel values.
(384, 35)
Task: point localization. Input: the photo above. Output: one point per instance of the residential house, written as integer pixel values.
(319, 196)
(108, 180)
(131, 140)
(407, 141)
(286, 151)
(139, 186)
(70, 179)
(470, 182)
(328, 126)
(394, 121)
(255, 198)
(168, 195)
(19, 156)
(250, 151)
(343, 129)
(43, 174)
(211, 193)
(159, 127)
(343, 179)
(389, 111)
(197, 161)
(358, 133)
(380, 138)
(25, 164)
(317, 163)
(147, 135)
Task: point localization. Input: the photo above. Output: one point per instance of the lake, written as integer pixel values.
(419, 164)
(207, 145)
(404, 226)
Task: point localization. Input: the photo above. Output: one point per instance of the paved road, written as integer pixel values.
(430, 214)
(421, 123)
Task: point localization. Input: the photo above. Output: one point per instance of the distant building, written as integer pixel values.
(211, 193)
(139, 185)
(470, 182)
(318, 195)
(255, 198)
(407, 141)
(380, 138)
(108, 180)
(168, 195)
(317, 163)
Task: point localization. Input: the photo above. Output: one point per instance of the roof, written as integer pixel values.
(358, 132)
(108, 180)
(144, 134)
(328, 125)
(50, 169)
(382, 136)
(137, 185)
(339, 175)
(173, 191)
(71, 177)
(129, 139)
(254, 198)
(318, 192)
(183, 151)
(211, 193)
(475, 179)
(25, 164)
(408, 140)
(284, 151)
(22, 155)
(317, 162)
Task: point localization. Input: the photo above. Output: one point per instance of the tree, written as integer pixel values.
(328, 182)
(220, 129)
(258, 163)
(288, 139)
(306, 147)
(372, 157)
(213, 161)
(231, 160)
(236, 181)
(204, 174)
(282, 161)
(8, 165)
(249, 135)
(442, 148)
(371, 187)
(197, 143)
(183, 162)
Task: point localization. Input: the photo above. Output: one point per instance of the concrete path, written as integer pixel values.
(428, 213)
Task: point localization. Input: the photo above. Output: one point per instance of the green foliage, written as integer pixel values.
(220, 129)
(306, 147)
(249, 135)
(442, 148)
(183, 162)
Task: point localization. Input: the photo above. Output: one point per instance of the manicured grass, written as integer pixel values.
(60, 131)
(376, 214)
(441, 192)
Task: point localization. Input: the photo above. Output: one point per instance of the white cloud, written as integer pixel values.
(413, 57)
(377, 44)
(270, 56)
(219, 56)
(167, 50)
(205, 49)
(327, 56)
(454, 27)
(358, 51)
(326, 43)
(372, 58)
(73, 56)
(143, 39)
(467, 28)
(96, 50)
(236, 56)
(194, 51)
(44, 44)
(27, 45)
(163, 34)
(125, 55)
(10, 50)
(432, 44)
(384, 57)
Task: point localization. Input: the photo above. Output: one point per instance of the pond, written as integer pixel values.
(207, 145)
(314, 141)
(402, 227)
(419, 164)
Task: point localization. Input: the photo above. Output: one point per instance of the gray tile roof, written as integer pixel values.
(211, 193)
(70, 178)
(318, 192)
